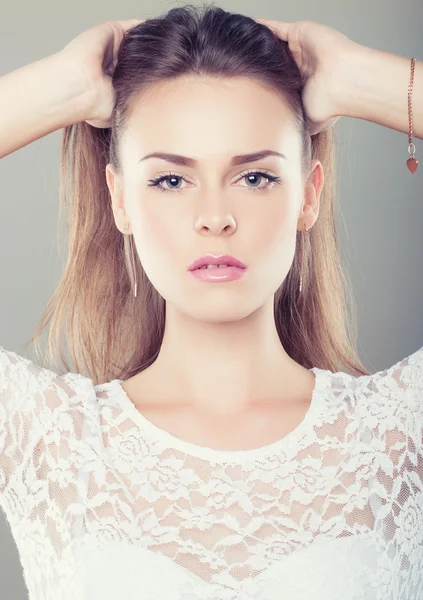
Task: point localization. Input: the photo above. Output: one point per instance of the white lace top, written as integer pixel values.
(103, 504)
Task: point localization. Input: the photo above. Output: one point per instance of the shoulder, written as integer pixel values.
(390, 401)
(40, 409)
(402, 381)
(24, 385)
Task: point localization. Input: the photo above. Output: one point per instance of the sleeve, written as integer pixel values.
(21, 404)
(407, 375)
(394, 436)
(395, 402)
(416, 363)
(35, 411)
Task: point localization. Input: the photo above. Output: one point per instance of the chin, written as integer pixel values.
(217, 312)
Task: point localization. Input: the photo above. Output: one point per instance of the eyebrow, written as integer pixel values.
(185, 161)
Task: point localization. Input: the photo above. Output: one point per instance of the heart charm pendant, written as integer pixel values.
(412, 164)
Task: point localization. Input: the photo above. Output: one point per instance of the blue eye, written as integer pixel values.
(272, 180)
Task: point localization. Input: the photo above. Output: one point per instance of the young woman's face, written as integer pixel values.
(211, 205)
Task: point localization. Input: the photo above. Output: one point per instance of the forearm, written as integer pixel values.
(373, 85)
(36, 100)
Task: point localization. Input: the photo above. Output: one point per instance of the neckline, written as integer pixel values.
(169, 440)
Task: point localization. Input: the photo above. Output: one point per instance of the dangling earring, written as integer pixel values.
(301, 277)
(133, 262)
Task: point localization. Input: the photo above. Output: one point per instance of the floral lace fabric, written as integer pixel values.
(104, 504)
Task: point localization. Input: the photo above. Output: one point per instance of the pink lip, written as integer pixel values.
(218, 274)
(211, 259)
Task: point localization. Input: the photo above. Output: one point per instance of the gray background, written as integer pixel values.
(381, 202)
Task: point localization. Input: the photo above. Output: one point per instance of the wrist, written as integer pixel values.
(352, 79)
(74, 96)
(372, 85)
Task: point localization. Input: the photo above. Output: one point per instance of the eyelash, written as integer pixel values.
(273, 180)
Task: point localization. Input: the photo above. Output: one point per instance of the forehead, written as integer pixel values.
(209, 117)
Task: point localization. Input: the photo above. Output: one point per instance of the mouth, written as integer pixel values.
(219, 274)
(213, 262)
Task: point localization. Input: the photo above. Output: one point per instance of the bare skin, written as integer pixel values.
(253, 426)
(221, 365)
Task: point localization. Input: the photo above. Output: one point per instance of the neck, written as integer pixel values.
(225, 367)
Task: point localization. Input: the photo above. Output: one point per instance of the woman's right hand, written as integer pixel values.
(94, 55)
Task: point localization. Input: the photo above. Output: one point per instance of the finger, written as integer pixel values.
(280, 26)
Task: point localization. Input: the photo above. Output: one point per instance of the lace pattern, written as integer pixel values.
(101, 502)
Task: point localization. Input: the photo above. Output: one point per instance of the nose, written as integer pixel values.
(215, 224)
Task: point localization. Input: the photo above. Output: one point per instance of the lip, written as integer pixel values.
(212, 259)
(218, 274)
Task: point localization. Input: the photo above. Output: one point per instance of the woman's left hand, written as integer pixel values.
(320, 53)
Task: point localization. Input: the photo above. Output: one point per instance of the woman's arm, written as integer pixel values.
(373, 85)
(37, 99)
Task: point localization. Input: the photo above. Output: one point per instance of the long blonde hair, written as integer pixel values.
(111, 334)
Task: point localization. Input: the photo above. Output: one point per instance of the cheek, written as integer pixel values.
(159, 237)
(271, 242)
(274, 227)
(155, 226)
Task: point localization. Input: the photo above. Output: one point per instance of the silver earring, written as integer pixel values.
(133, 262)
(301, 277)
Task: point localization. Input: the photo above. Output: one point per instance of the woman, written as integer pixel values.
(226, 441)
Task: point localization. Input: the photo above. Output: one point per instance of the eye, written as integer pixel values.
(251, 176)
(171, 177)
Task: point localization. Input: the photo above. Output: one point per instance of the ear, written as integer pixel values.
(115, 188)
(312, 192)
